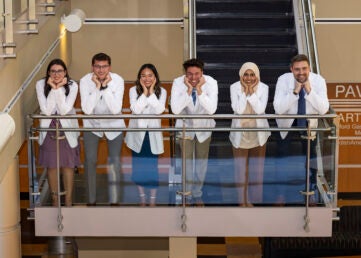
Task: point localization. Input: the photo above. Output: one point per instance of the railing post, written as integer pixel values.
(308, 193)
(184, 192)
(58, 194)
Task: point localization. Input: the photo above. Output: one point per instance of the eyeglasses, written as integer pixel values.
(99, 67)
(56, 72)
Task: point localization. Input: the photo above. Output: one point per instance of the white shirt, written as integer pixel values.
(285, 102)
(182, 103)
(102, 102)
(146, 105)
(58, 103)
(258, 101)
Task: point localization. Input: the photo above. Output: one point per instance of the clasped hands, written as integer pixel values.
(249, 89)
(306, 85)
(147, 91)
(101, 83)
(197, 87)
(55, 85)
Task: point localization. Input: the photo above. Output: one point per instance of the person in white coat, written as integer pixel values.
(56, 95)
(299, 92)
(146, 97)
(193, 94)
(101, 93)
(249, 96)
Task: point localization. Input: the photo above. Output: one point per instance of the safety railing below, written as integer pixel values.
(294, 180)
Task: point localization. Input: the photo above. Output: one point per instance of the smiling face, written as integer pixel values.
(57, 73)
(301, 71)
(249, 78)
(194, 75)
(147, 77)
(101, 69)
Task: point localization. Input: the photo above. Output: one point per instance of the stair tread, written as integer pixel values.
(243, 15)
(245, 49)
(281, 31)
(242, 1)
(248, 45)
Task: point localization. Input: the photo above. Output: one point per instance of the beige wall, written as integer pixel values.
(13, 73)
(337, 8)
(130, 46)
(339, 47)
(130, 8)
(339, 44)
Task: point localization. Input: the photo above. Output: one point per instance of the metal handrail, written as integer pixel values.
(310, 35)
(169, 116)
(326, 125)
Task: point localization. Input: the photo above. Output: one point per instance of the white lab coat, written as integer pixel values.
(182, 103)
(58, 103)
(258, 102)
(146, 105)
(102, 102)
(285, 102)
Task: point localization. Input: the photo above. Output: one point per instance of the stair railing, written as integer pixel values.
(311, 43)
(189, 14)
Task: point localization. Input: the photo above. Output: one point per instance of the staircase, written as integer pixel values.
(232, 32)
(228, 34)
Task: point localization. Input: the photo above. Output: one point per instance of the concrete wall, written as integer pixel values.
(339, 43)
(130, 45)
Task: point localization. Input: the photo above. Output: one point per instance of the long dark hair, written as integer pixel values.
(47, 87)
(139, 88)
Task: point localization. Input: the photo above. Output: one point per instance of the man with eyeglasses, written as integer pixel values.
(101, 93)
(195, 93)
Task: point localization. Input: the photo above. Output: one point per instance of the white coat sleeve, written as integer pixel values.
(113, 96)
(137, 105)
(238, 99)
(46, 104)
(258, 100)
(284, 98)
(158, 105)
(318, 97)
(66, 103)
(89, 96)
(209, 98)
(180, 99)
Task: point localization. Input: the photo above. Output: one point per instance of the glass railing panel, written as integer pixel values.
(285, 171)
(208, 180)
(329, 159)
(279, 177)
(124, 184)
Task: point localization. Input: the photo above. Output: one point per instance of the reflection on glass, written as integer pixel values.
(284, 176)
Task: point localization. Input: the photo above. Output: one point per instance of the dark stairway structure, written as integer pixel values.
(228, 34)
(231, 32)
